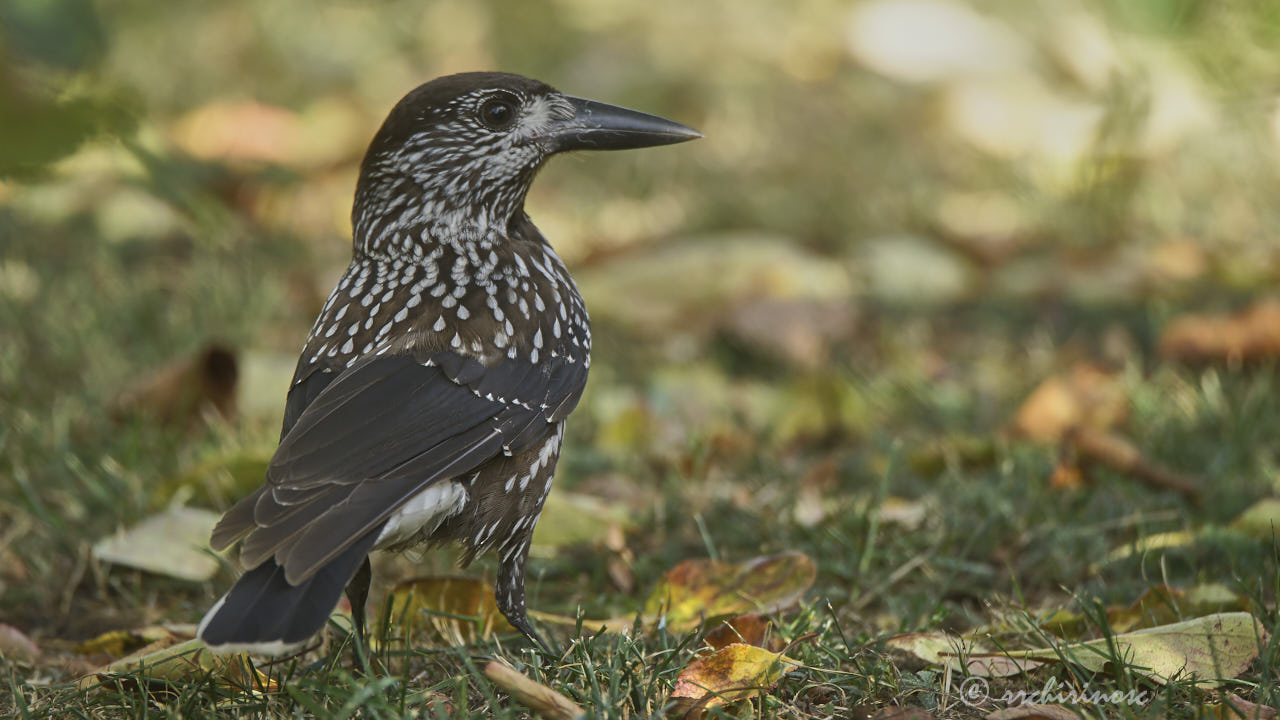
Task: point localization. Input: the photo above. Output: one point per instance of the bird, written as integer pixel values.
(429, 400)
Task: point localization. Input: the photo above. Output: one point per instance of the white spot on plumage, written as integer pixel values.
(439, 326)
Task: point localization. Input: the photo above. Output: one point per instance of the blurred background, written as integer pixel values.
(904, 216)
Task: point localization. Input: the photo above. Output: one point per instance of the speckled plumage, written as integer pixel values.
(429, 400)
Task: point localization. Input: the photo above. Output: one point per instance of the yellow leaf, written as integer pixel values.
(913, 651)
(122, 642)
(1211, 648)
(732, 673)
(450, 610)
(1260, 519)
(1158, 541)
(572, 518)
(173, 660)
(696, 590)
(173, 543)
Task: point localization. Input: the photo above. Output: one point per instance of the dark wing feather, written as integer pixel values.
(377, 434)
(308, 382)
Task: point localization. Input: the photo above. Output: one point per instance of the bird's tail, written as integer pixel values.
(264, 614)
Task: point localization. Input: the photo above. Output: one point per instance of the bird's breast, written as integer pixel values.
(494, 301)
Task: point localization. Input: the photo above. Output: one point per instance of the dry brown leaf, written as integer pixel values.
(732, 673)
(1088, 396)
(16, 647)
(539, 698)
(1035, 712)
(815, 490)
(250, 131)
(1250, 335)
(183, 389)
(751, 629)
(449, 610)
(799, 330)
(695, 590)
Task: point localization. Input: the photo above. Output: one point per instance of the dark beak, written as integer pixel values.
(598, 126)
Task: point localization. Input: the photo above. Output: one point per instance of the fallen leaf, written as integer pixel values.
(539, 698)
(915, 651)
(118, 643)
(691, 284)
(695, 590)
(574, 518)
(1088, 396)
(1211, 648)
(1035, 712)
(960, 450)
(329, 131)
(1260, 520)
(174, 543)
(181, 390)
(265, 378)
(799, 330)
(1250, 335)
(732, 673)
(449, 610)
(749, 629)
(174, 659)
(813, 496)
(1155, 541)
(16, 647)
(218, 480)
(1162, 604)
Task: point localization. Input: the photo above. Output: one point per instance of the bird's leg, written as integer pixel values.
(509, 592)
(358, 594)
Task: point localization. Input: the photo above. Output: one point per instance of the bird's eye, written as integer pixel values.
(498, 113)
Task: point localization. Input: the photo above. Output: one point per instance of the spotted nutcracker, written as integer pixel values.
(429, 401)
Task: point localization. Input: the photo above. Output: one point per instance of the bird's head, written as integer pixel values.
(460, 152)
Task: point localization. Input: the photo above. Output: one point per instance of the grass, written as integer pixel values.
(996, 543)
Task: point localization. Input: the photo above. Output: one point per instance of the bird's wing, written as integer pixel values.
(379, 433)
(308, 382)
